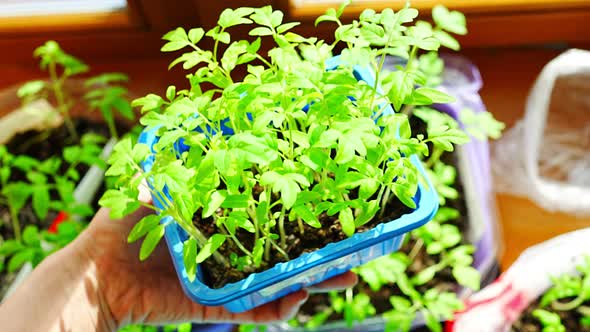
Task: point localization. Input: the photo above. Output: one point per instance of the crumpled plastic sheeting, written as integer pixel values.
(546, 155)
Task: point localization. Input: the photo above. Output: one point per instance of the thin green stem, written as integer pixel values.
(216, 45)
(282, 233)
(434, 158)
(584, 310)
(385, 200)
(408, 110)
(412, 57)
(266, 231)
(292, 143)
(267, 243)
(263, 60)
(15, 223)
(300, 224)
(376, 85)
(349, 295)
(149, 206)
(379, 69)
(416, 249)
(42, 136)
(378, 114)
(560, 306)
(252, 215)
(278, 248)
(56, 85)
(112, 129)
(239, 244)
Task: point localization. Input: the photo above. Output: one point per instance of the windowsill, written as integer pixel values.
(115, 20)
(302, 9)
(490, 22)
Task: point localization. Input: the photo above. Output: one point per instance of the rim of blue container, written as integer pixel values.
(426, 206)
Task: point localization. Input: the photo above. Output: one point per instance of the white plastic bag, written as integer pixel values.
(546, 155)
(497, 306)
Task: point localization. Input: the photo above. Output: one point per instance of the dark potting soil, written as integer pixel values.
(528, 323)
(312, 239)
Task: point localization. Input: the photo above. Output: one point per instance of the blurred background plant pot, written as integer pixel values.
(16, 119)
(499, 305)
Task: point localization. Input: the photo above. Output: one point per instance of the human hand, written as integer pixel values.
(130, 291)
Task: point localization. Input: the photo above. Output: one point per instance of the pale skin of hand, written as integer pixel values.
(97, 283)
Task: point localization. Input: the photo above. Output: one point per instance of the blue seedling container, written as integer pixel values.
(310, 268)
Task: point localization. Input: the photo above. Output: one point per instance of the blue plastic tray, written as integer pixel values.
(310, 268)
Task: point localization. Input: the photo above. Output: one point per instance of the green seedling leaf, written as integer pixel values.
(347, 221)
(122, 202)
(213, 243)
(195, 35)
(434, 96)
(16, 194)
(318, 320)
(177, 39)
(9, 247)
(31, 235)
(452, 21)
(425, 275)
(307, 215)
(189, 255)
(30, 89)
(444, 137)
(402, 87)
(467, 276)
(258, 251)
(481, 125)
(148, 103)
(41, 200)
(143, 227)
(20, 258)
(330, 15)
(236, 201)
(230, 17)
(447, 40)
(151, 241)
(432, 321)
(551, 321)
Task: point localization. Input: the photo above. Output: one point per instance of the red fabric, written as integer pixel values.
(61, 217)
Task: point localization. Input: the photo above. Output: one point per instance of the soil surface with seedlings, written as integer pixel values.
(443, 280)
(33, 144)
(217, 276)
(39, 146)
(312, 239)
(570, 319)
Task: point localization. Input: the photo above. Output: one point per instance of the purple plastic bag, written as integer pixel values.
(463, 81)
